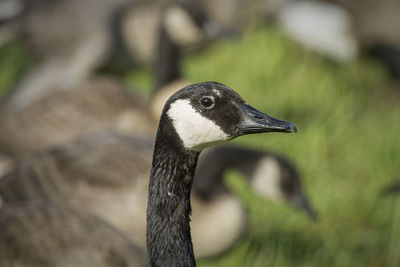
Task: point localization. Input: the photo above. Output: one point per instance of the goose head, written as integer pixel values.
(276, 178)
(271, 175)
(208, 113)
(187, 23)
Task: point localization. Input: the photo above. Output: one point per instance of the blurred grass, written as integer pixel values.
(347, 148)
(14, 60)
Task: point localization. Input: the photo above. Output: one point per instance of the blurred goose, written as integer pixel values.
(96, 34)
(374, 26)
(146, 24)
(107, 173)
(374, 20)
(270, 175)
(213, 113)
(344, 29)
(99, 104)
(102, 104)
(70, 37)
(45, 235)
(63, 115)
(9, 11)
(322, 27)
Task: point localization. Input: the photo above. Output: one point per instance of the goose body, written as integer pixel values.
(45, 235)
(105, 173)
(64, 115)
(100, 105)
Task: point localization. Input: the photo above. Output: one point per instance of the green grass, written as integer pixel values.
(347, 148)
(14, 59)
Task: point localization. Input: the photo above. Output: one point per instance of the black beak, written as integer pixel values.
(255, 121)
(391, 189)
(300, 201)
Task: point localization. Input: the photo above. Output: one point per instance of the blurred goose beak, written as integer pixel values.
(300, 201)
(255, 121)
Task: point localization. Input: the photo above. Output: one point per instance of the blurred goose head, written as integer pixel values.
(185, 24)
(270, 175)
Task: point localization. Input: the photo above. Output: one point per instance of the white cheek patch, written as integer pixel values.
(195, 131)
(266, 179)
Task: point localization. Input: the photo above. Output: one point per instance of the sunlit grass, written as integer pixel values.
(140, 80)
(347, 148)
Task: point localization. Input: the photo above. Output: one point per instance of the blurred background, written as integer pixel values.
(332, 67)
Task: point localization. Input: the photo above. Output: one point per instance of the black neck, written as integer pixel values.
(168, 212)
(167, 63)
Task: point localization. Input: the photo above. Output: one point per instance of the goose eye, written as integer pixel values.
(207, 102)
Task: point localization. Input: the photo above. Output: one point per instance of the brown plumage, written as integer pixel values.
(67, 237)
(63, 115)
(107, 173)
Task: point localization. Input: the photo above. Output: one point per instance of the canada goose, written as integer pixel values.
(102, 104)
(131, 28)
(345, 29)
(373, 28)
(63, 115)
(269, 174)
(220, 115)
(70, 37)
(46, 235)
(184, 23)
(194, 118)
(374, 20)
(322, 27)
(107, 172)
